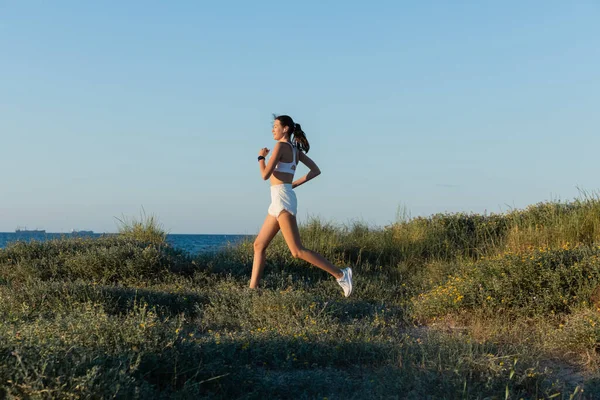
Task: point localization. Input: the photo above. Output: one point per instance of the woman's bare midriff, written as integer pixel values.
(277, 178)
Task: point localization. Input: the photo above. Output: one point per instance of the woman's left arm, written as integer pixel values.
(314, 170)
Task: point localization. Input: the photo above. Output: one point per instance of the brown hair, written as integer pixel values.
(299, 137)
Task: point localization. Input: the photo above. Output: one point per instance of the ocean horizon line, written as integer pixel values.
(116, 233)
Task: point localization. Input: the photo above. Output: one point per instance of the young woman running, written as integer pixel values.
(282, 211)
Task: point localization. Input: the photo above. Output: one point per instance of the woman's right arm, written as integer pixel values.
(267, 169)
(314, 170)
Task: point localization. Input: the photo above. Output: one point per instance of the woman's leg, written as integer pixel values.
(267, 233)
(289, 228)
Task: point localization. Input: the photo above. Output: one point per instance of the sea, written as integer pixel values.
(194, 244)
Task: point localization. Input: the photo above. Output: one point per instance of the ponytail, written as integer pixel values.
(300, 139)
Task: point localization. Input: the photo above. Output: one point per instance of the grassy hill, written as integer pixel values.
(445, 307)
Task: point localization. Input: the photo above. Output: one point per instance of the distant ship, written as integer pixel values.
(76, 232)
(25, 230)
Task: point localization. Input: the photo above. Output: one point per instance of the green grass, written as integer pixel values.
(454, 306)
(145, 229)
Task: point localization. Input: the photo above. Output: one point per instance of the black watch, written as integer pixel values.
(261, 158)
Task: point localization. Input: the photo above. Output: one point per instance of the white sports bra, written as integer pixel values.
(289, 168)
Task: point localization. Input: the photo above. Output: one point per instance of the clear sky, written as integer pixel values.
(430, 106)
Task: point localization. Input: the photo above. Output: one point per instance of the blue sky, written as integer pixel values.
(433, 106)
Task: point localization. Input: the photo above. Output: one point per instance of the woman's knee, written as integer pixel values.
(298, 252)
(259, 246)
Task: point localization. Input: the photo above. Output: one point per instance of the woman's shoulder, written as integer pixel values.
(283, 145)
(301, 155)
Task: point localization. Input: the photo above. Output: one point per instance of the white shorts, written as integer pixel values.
(283, 197)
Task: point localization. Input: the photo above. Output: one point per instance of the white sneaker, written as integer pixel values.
(346, 281)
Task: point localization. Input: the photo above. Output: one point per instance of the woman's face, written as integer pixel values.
(278, 130)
